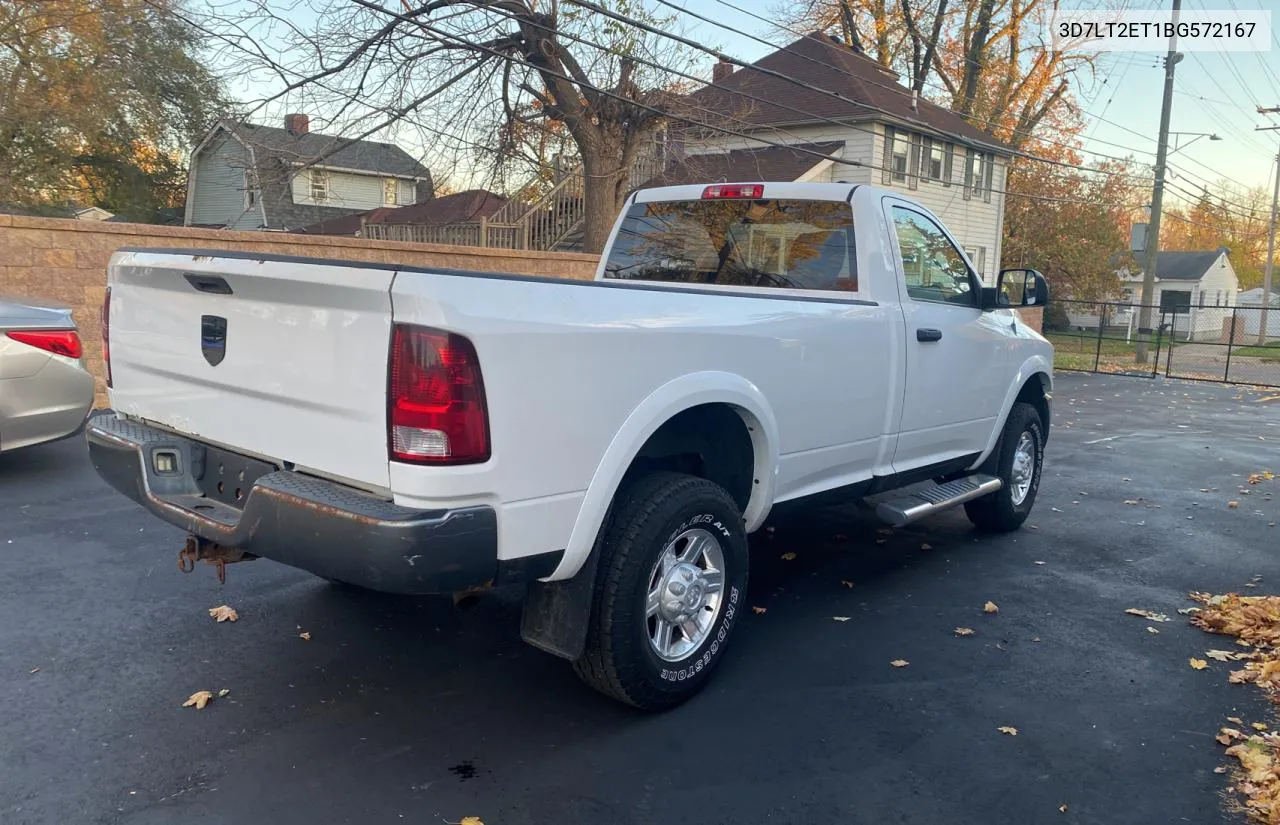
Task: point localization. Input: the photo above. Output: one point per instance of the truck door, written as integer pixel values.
(956, 354)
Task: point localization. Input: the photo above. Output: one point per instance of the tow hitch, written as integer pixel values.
(198, 549)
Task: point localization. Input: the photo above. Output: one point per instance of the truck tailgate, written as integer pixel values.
(301, 372)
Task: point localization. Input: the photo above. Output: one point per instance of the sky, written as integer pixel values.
(1214, 92)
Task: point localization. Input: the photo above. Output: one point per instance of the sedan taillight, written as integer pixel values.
(63, 342)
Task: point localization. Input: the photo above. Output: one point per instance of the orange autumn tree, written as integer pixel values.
(1225, 214)
(97, 101)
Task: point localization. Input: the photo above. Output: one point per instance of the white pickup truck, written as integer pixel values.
(608, 444)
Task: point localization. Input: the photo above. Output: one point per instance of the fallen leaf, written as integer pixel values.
(1233, 504)
(964, 631)
(1006, 729)
(1221, 655)
(224, 613)
(1198, 664)
(926, 547)
(471, 820)
(199, 699)
(1222, 739)
(1220, 769)
(846, 583)
(990, 607)
(1187, 611)
(841, 618)
(899, 663)
(305, 635)
(1130, 501)
(1062, 808)
(1259, 725)
(1151, 629)
(223, 692)
(1041, 562)
(1149, 615)
(788, 556)
(1235, 719)
(759, 610)
(35, 670)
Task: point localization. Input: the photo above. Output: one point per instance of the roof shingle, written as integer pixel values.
(329, 150)
(867, 91)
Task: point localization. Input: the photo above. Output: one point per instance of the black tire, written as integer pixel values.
(999, 512)
(652, 514)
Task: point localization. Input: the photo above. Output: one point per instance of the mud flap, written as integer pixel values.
(557, 614)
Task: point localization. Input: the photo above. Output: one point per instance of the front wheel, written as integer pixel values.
(672, 579)
(1016, 461)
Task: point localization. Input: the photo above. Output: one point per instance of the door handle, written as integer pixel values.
(928, 334)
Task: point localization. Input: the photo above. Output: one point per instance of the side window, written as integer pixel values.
(935, 270)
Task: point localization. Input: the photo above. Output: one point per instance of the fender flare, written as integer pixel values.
(1036, 365)
(664, 403)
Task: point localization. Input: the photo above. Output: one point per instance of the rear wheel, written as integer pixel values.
(1016, 461)
(672, 578)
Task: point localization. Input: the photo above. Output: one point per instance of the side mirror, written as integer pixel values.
(1016, 288)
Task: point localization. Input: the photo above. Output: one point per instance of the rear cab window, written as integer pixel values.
(777, 244)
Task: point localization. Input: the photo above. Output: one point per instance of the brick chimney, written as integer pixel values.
(297, 124)
(721, 71)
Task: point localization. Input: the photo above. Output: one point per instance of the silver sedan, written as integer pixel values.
(45, 391)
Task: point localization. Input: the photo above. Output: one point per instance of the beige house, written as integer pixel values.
(876, 132)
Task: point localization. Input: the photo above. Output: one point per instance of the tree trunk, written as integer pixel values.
(602, 197)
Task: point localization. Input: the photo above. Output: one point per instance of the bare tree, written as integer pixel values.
(485, 87)
(985, 59)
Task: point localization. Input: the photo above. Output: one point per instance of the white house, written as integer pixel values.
(247, 176)
(1249, 318)
(1195, 291)
(877, 131)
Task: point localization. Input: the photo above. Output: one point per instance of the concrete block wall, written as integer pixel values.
(65, 260)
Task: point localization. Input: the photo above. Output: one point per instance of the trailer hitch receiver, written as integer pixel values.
(199, 549)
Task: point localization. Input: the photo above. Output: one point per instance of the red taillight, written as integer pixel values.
(749, 191)
(435, 399)
(106, 335)
(58, 341)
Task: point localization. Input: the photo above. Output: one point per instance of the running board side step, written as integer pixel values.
(904, 509)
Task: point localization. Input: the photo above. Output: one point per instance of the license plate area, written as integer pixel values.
(228, 477)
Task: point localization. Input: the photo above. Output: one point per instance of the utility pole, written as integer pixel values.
(1271, 237)
(1157, 195)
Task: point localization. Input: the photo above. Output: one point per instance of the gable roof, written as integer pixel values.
(769, 164)
(1185, 266)
(868, 92)
(328, 150)
(460, 207)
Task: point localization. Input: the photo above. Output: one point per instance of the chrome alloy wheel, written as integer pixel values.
(1023, 469)
(686, 590)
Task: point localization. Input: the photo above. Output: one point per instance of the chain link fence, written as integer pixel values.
(1222, 344)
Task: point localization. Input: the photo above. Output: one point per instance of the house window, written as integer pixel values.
(976, 172)
(901, 154)
(390, 192)
(319, 185)
(931, 160)
(1175, 301)
(978, 257)
(250, 191)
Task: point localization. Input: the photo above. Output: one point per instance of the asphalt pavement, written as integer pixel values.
(410, 710)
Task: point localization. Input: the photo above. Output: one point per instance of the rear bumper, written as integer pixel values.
(325, 528)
